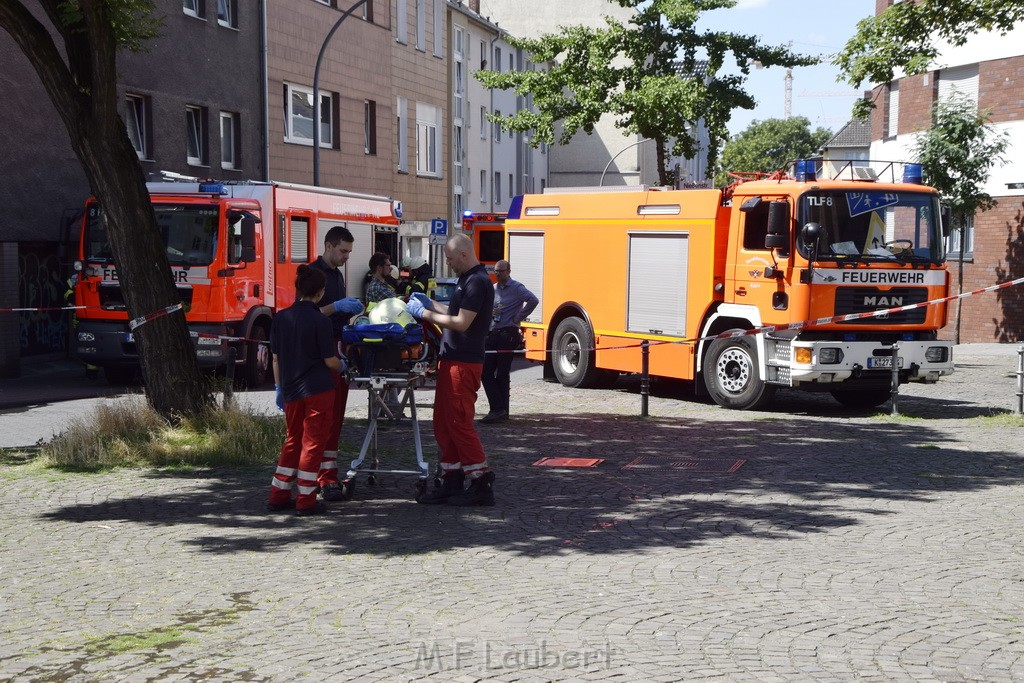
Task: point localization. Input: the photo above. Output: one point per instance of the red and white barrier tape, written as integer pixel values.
(134, 324)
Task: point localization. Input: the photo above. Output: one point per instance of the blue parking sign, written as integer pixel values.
(439, 226)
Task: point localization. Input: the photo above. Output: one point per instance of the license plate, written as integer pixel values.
(129, 337)
(883, 362)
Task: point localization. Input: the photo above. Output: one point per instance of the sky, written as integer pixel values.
(816, 27)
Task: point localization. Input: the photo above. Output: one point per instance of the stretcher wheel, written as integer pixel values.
(348, 487)
(371, 479)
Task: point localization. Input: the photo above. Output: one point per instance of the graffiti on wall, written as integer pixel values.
(41, 285)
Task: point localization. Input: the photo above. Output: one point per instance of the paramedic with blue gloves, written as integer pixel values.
(339, 308)
(465, 322)
(305, 365)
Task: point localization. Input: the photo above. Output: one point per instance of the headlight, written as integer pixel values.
(830, 356)
(86, 337)
(208, 341)
(936, 354)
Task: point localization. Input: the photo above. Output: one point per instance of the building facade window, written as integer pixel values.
(370, 127)
(893, 120)
(496, 191)
(401, 117)
(961, 80)
(497, 59)
(457, 152)
(483, 123)
(138, 120)
(401, 21)
(497, 127)
(368, 11)
(963, 235)
(195, 128)
(230, 147)
(438, 27)
(421, 24)
(483, 55)
(511, 187)
(427, 144)
(227, 13)
(483, 186)
(298, 120)
(194, 8)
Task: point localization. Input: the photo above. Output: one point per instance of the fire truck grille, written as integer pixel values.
(112, 299)
(865, 299)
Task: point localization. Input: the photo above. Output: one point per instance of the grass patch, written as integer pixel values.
(1002, 420)
(130, 433)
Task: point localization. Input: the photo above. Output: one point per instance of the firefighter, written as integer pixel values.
(420, 278)
(91, 371)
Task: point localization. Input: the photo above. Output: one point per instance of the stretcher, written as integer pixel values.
(386, 359)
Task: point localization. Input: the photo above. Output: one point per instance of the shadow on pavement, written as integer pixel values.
(696, 481)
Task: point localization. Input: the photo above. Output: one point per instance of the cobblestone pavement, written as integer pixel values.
(808, 542)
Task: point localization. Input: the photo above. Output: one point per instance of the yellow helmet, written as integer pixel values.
(391, 311)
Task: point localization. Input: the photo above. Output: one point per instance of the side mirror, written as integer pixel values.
(249, 238)
(778, 226)
(946, 216)
(810, 235)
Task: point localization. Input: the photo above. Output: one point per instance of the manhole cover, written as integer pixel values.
(702, 465)
(568, 462)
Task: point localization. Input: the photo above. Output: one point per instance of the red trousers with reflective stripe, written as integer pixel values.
(454, 407)
(308, 422)
(329, 472)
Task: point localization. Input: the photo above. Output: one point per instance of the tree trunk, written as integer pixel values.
(84, 93)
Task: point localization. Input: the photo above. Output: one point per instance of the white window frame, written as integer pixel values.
(402, 22)
(326, 110)
(137, 119)
(194, 8)
(370, 127)
(497, 188)
(497, 126)
(483, 123)
(953, 242)
(402, 126)
(483, 187)
(893, 119)
(229, 157)
(428, 144)
(421, 25)
(227, 13)
(438, 28)
(195, 133)
(483, 54)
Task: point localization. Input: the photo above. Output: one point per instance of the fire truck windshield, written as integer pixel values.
(872, 225)
(188, 232)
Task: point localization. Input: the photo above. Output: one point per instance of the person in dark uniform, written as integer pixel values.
(305, 364)
(339, 308)
(513, 303)
(465, 322)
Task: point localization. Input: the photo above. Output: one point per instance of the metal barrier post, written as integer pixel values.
(1020, 379)
(895, 378)
(229, 379)
(645, 376)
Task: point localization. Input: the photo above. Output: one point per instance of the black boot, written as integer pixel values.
(451, 485)
(480, 492)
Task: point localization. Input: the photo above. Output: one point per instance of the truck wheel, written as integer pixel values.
(863, 398)
(257, 360)
(573, 356)
(731, 375)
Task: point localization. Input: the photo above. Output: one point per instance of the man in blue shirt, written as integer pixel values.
(465, 322)
(513, 303)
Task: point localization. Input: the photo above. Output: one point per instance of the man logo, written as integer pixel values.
(882, 301)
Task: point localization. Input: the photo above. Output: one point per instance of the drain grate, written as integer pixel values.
(701, 465)
(568, 462)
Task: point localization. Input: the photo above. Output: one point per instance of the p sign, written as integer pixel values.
(439, 226)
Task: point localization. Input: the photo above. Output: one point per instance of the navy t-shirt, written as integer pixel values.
(334, 289)
(473, 292)
(301, 337)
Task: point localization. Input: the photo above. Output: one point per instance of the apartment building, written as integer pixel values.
(195, 111)
(989, 69)
(490, 165)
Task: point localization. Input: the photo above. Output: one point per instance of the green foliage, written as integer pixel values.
(903, 38)
(958, 153)
(131, 433)
(769, 145)
(646, 72)
(131, 21)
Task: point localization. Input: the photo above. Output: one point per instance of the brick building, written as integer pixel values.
(989, 69)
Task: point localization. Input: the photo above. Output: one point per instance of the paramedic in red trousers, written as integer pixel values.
(513, 303)
(305, 366)
(339, 308)
(465, 322)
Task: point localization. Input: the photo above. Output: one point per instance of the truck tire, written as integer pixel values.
(863, 398)
(257, 359)
(731, 375)
(572, 356)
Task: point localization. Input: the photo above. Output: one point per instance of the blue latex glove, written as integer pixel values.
(415, 308)
(279, 399)
(423, 299)
(349, 306)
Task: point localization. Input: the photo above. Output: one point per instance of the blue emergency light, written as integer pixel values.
(913, 173)
(806, 171)
(212, 188)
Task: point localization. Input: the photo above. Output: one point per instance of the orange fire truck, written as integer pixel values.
(676, 267)
(487, 230)
(234, 249)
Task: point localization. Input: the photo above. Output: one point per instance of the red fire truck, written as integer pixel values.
(234, 249)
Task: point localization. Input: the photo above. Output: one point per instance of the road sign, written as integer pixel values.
(438, 239)
(439, 226)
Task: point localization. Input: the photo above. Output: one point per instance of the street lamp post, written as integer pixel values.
(316, 90)
(606, 166)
